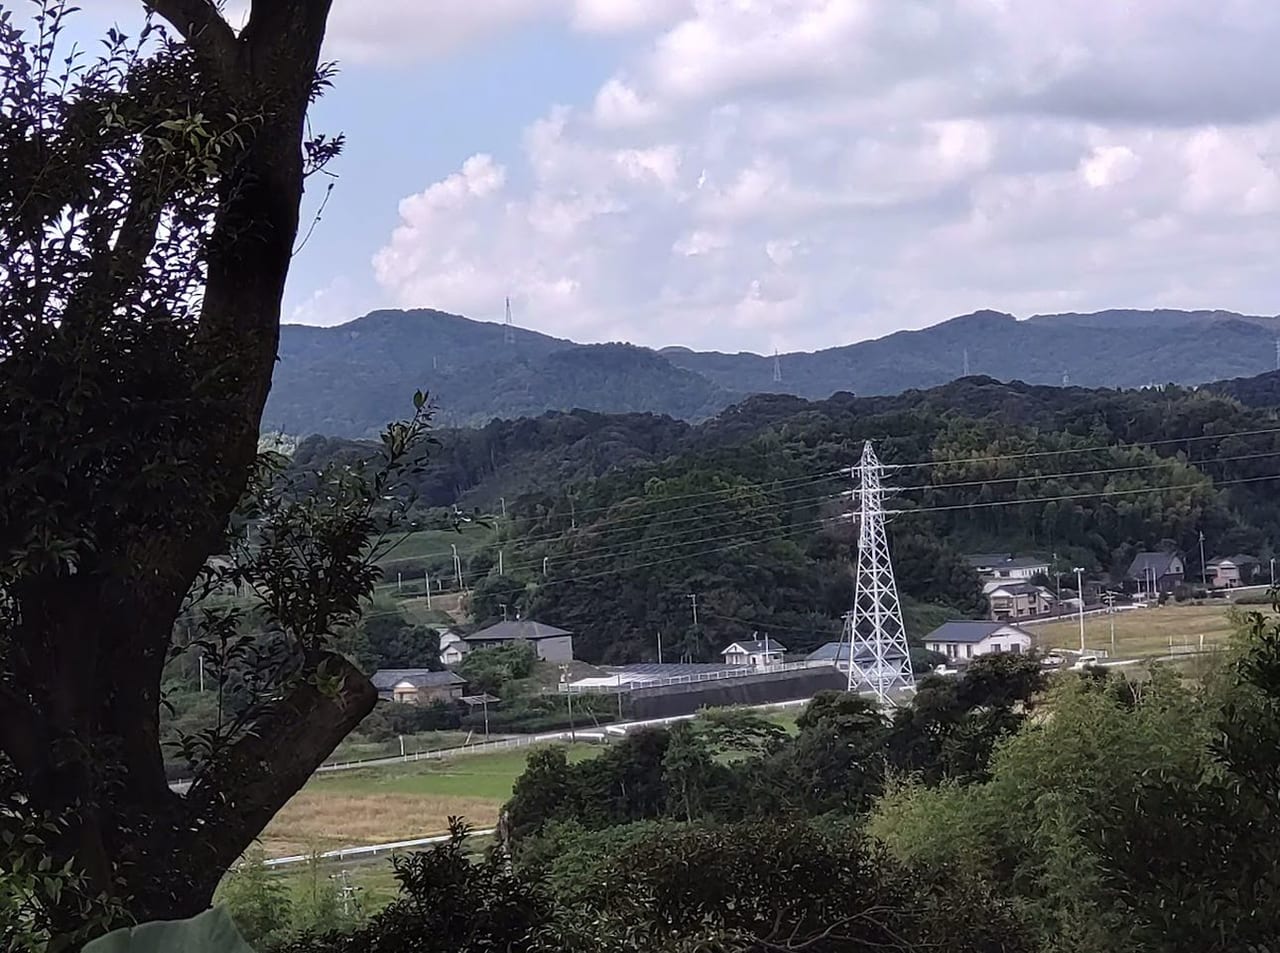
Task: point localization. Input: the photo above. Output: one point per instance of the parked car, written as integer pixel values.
(1084, 661)
(1053, 659)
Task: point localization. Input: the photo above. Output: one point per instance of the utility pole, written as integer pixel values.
(503, 501)
(879, 657)
(660, 634)
(1273, 562)
(693, 598)
(399, 582)
(501, 571)
(568, 694)
(544, 564)
(457, 565)
(426, 577)
(1080, 592)
(1204, 570)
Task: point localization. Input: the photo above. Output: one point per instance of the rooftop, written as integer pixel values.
(522, 630)
(757, 645)
(1004, 561)
(839, 652)
(962, 630)
(386, 679)
(1144, 563)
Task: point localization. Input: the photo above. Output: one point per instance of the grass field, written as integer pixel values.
(1140, 632)
(400, 802)
(430, 544)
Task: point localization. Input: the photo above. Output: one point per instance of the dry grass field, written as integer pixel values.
(1141, 632)
(397, 802)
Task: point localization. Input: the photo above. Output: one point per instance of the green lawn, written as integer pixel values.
(484, 776)
(1141, 632)
(428, 544)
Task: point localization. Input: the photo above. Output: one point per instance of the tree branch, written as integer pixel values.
(238, 794)
(202, 26)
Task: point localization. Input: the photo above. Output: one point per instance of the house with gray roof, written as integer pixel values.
(1007, 566)
(1155, 572)
(965, 639)
(551, 644)
(418, 686)
(764, 651)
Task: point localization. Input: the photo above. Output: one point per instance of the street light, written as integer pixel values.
(1080, 592)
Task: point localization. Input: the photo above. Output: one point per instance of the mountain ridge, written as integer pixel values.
(348, 380)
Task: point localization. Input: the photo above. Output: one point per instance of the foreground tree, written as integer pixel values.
(149, 210)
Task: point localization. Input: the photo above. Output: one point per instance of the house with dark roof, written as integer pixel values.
(418, 686)
(1153, 573)
(453, 647)
(551, 644)
(757, 652)
(964, 639)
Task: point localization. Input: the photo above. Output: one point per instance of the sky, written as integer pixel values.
(793, 174)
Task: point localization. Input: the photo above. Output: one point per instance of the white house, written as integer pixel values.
(757, 652)
(1007, 567)
(964, 639)
(453, 648)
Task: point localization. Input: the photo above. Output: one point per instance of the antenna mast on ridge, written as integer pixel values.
(510, 328)
(879, 658)
(777, 364)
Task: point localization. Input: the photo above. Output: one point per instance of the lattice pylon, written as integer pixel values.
(879, 658)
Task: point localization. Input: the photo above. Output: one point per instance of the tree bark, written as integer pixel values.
(96, 643)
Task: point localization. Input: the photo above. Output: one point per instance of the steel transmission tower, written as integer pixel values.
(510, 328)
(777, 367)
(879, 659)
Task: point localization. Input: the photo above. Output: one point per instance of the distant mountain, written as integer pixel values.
(350, 380)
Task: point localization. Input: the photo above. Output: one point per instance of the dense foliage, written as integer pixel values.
(730, 768)
(614, 521)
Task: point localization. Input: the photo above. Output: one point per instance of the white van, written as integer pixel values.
(1085, 661)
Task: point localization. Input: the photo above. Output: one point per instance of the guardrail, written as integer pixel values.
(691, 679)
(371, 850)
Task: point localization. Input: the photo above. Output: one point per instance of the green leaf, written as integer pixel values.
(210, 932)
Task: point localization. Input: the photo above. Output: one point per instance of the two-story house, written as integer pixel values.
(550, 643)
(1020, 600)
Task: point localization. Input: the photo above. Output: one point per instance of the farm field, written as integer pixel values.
(397, 802)
(1141, 632)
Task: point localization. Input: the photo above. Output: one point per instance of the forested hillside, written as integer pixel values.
(613, 522)
(349, 380)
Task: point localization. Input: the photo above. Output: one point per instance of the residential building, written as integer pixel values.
(453, 648)
(1007, 566)
(757, 652)
(837, 653)
(1020, 600)
(1227, 572)
(1153, 573)
(963, 639)
(418, 686)
(551, 644)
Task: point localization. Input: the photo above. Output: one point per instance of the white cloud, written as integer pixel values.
(808, 172)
